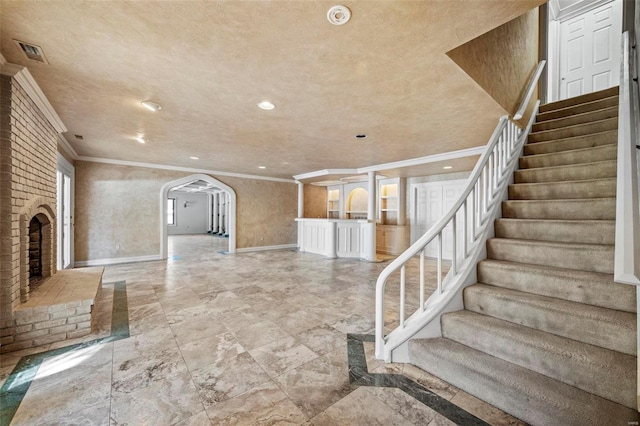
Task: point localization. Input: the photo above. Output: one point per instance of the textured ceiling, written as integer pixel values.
(385, 73)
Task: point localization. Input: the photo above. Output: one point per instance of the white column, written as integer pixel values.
(227, 207)
(300, 215)
(210, 212)
(371, 217)
(221, 211)
(214, 226)
(300, 199)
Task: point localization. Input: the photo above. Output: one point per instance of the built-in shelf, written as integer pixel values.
(390, 200)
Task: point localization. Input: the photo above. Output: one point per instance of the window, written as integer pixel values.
(171, 211)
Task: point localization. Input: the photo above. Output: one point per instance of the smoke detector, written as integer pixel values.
(339, 15)
(32, 51)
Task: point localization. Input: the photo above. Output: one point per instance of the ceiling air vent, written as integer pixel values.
(32, 51)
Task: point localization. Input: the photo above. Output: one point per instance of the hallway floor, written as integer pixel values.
(207, 338)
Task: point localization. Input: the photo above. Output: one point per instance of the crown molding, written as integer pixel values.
(325, 172)
(66, 147)
(29, 84)
(445, 156)
(180, 169)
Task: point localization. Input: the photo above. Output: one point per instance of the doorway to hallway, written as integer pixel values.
(198, 205)
(584, 39)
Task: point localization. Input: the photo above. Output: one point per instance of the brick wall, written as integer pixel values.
(28, 165)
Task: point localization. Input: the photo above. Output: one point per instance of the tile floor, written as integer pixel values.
(255, 338)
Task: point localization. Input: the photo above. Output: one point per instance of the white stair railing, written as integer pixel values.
(627, 252)
(474, 212)
(626, 268)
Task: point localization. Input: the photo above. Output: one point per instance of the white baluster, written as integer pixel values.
(439, 262)
(422, 280)
(402, 284)
(464, 229)
(474, 212)
(454, 254)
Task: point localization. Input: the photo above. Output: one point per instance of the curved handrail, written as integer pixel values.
(529, 92)
(439, 225)
(486, 186)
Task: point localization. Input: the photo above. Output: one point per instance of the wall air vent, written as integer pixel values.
(32, 51)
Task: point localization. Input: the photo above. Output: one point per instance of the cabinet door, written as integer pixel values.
(380, 238)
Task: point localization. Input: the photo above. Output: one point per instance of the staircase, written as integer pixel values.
(545, 334)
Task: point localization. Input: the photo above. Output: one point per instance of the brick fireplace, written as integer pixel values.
(38, 305)
(28, 165)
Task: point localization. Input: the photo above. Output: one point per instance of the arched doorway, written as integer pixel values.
(185, 181)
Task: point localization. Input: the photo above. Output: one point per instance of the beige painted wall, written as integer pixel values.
(503, 60)
(315, 201)
(119, 205)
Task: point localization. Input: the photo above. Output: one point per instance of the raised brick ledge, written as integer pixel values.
(60, 308)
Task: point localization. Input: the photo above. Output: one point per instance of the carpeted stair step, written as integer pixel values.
(576, 130)
(566, 231)
(611, 101)
(603, 372)
(582, 99)
(578, 256)
(575, 119)
(530, 396)
(601, 169)
(606, 328)
(568, 144)
(574, 209)
(590, 288)
(576, 156)
(595, 188)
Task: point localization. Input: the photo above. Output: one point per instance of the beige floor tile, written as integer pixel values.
(265, 404)
(227, 378)
(318, 384)
(282, 355)
(362, 408)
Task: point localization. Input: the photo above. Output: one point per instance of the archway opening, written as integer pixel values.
(197, 204)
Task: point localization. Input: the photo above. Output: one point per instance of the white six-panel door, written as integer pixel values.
(431, 201)
(590, 50)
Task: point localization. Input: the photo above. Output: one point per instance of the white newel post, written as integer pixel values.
(300, 214)
(371, 218)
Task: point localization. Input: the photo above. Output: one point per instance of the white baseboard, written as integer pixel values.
(265, 248)
(115, 261)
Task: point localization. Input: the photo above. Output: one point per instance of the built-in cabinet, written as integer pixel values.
(392, 239)
(392, 236)
(333, 202)
(349, 201)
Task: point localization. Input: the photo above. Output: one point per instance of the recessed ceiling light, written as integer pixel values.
(152, 106)
(448, 167)
(361, 136)
(266, 105)
(261, 167)
(195, 158)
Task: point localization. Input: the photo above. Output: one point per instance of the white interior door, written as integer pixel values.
(590, 50)
(65, 214)
(450, 194)
(431, 202)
